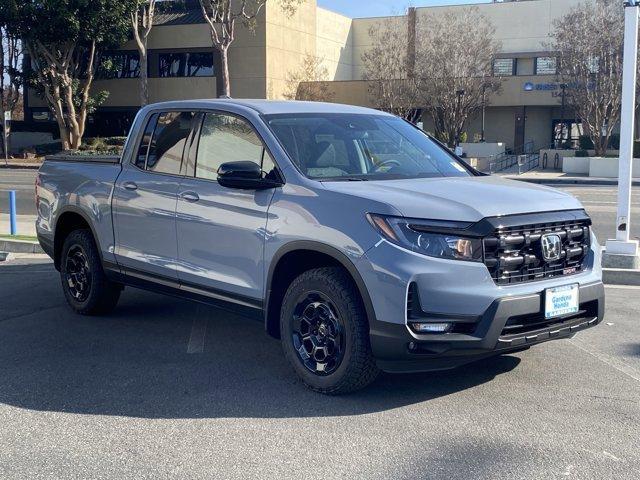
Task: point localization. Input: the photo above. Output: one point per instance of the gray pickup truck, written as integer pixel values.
(360, 242)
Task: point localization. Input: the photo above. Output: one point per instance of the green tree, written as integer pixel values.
(10, 64)
(63, 39)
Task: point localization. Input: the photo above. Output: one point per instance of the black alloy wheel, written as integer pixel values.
(318, 333)
(78, 273)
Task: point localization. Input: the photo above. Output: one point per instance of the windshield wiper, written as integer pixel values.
(343, 179)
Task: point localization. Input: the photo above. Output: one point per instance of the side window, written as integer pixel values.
(167, 145)
(141, 157)
(225, 138)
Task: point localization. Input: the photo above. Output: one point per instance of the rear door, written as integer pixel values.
(145, 197)
(221, 231)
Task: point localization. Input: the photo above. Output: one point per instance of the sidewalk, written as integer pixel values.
(26, 224)
(551, 177)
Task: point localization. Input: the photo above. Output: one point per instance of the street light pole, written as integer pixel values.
(484, 92)
(460, 94)
(563, 87)
(623, 252)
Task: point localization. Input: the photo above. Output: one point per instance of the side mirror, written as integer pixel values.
(244, 175)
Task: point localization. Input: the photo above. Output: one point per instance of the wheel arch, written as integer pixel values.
(296, 257)
(70, 218)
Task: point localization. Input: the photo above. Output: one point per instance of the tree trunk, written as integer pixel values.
(226, 84)
(144, 89)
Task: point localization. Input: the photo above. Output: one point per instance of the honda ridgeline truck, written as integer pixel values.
(362, 243)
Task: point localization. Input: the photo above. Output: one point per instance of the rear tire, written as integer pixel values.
(325, 333)
(86, 288)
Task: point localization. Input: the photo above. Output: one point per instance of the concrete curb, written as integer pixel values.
(620, 276)
(19, 246)
(21, 166)
(570, 181)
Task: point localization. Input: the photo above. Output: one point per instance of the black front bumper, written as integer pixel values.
(396, 349)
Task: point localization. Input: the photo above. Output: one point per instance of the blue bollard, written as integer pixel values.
(12, 212)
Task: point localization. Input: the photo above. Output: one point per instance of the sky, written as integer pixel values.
(375, 8)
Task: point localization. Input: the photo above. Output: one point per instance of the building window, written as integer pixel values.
(119, 65)
(546, 66)
(504, 67)
(185, 64)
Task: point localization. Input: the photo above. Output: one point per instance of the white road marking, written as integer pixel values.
(198, 332)
(609, 360)
(624, 287)
(610, 455)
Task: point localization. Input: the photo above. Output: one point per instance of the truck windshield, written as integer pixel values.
(361, 147)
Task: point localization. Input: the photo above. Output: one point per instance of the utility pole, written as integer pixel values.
(623, 252)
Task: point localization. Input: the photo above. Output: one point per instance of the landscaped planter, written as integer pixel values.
(578, 165)
(608, 167)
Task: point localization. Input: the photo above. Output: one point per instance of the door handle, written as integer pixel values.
(190, 196)
(130, 185)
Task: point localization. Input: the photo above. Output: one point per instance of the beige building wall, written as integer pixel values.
(247, 60)
(362, 40)
(288, 39)
(520, 26)
(334, 44)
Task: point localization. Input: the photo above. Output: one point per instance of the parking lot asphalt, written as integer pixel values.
(164, 388)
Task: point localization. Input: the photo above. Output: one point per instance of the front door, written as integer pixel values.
(221, 231)
(518, 142)
(145, 198)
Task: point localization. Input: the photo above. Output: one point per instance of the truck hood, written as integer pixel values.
(462, 199)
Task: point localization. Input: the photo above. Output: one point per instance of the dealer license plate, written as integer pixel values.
(561, 301)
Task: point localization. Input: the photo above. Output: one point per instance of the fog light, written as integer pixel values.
(431, 327)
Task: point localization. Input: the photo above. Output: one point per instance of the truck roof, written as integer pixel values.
(268, 107)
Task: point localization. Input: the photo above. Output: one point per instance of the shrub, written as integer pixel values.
(48, 148)
(115, 141)
(586, 143)
(582, 153)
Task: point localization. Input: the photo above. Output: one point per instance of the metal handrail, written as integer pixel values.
(507, 160)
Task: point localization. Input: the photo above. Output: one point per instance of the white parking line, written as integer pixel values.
(624, 287)
(609, 360)
(198, 332)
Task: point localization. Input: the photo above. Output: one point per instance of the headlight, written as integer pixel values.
(435, 238)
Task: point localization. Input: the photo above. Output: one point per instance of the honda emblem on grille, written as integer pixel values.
(551, 246)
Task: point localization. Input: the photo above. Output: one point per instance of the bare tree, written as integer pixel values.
(387, 68)
(141, 23)
(222, 15)
(309, 82)
(454, 67)
(588, 41)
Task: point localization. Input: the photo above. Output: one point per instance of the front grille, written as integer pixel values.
(513, 254)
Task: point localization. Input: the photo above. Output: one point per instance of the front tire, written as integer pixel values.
(325, 333)
(86, 288)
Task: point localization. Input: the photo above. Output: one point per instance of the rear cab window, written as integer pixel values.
(162, 146)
